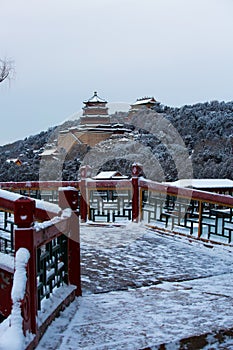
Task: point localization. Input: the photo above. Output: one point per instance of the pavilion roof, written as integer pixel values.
(95, 98)
(144, 100)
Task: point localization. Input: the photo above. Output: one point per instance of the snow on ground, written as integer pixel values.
(118, 258)
(142, 289)
(142, 317)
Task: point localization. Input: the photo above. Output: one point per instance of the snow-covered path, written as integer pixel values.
(151, 289)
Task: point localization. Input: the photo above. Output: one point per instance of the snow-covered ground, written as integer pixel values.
(142, 289)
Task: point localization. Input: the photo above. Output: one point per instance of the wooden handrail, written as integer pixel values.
(108, 184)
(188, 193)
(43, 210)
(31, 185)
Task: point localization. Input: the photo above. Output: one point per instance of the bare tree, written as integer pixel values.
(6, 69)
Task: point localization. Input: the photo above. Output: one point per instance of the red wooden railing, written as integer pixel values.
(204, 214)
(54, 249)
(211, 213)
(141, 199)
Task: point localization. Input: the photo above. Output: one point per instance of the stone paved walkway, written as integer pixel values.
(151, 289)
(118, 258)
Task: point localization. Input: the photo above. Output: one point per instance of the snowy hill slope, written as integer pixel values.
(202, 133)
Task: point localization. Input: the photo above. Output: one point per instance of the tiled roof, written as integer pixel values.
(95, 98)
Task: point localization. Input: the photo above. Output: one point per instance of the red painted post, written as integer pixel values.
(24, 209)
(25, 237)
(85, 172)
(69, 198)
(137, 171)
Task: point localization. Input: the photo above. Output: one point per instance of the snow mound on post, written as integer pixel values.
(11, 329)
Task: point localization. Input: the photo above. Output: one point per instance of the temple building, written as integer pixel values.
(95, 126)
(142, 103)
(95, 111)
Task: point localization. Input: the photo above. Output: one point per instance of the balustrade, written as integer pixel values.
(139, 199)
(109, 205)
(54, 248)
(7, 232)
(197, 213)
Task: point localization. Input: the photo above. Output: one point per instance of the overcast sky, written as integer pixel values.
(179, 51)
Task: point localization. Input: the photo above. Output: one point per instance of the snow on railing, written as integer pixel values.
(125, 199)
(201, 214)
(54, 263)
(45, 190)
(43, 210)
(11, 330)
(33, 185)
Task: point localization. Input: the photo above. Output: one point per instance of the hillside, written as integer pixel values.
(191, 141)
(207, 130)
(28, 151)
(171, 143)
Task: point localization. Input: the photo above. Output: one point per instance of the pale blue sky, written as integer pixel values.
(179, 51)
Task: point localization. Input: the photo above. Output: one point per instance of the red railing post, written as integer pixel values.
(84, 172)
(137, 171)
(69, 198)
(25, 237)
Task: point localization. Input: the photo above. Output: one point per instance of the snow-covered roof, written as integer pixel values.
(103, 128)
(203, 183)
(143, 101)
(13, 160)
(106, 175)
(49, 152)
(95, 98)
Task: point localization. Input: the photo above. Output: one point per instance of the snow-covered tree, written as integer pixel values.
(6, 69)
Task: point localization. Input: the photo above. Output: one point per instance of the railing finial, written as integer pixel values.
(24, 209)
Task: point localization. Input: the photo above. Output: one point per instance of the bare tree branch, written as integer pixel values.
(6, 69)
